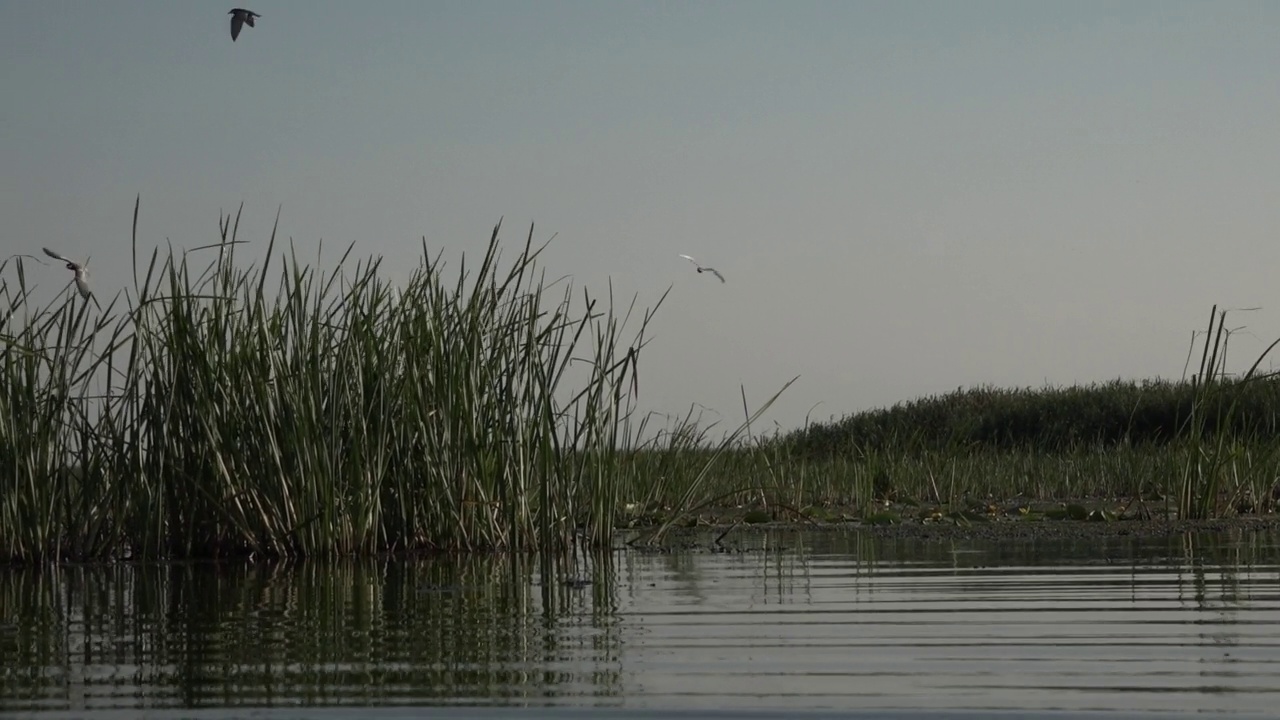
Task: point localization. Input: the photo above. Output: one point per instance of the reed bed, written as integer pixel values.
(1205, 446)
(273, 410)
(772, 481)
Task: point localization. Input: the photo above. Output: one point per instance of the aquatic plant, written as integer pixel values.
(1051, 419)
(289, 412)
(1220, 465)
(1206, 446)
(234, 410)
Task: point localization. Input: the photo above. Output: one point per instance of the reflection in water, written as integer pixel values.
(793, 620)
(201, 635)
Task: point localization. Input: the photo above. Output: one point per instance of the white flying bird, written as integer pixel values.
(81, 272)
(239, 18)
(711, 270)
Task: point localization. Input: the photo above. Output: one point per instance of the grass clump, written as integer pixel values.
(281, 411)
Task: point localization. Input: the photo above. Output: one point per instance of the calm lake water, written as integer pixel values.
(836, 623)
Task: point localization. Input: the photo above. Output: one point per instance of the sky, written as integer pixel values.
(905, 197)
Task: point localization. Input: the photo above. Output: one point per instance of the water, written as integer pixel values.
(835, 623)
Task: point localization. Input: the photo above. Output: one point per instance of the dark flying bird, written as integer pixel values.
(239, 17)
(711, 270)
(82, 273)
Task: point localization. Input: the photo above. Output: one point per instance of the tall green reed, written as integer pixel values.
(1219, 465)
(295, 412)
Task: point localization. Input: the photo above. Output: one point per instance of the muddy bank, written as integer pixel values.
(1069, 529)
(995, 529)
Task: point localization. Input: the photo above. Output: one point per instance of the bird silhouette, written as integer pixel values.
(239, 18)
(702, 268)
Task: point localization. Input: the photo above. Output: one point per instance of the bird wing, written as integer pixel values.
(248, 17)
(236, 21)
(715, 272)
(686, 257)
(55, 255)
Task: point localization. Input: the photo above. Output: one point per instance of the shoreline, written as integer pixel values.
(1015, 530)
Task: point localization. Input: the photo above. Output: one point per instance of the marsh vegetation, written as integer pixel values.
(274, 409)
(222, 407)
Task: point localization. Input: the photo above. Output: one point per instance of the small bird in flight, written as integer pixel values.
(711, 270)
(240, 17)
(82, 273)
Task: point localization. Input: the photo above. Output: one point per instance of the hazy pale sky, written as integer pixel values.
(905, 197)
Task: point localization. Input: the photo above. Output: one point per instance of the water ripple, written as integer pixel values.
(845, 623)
